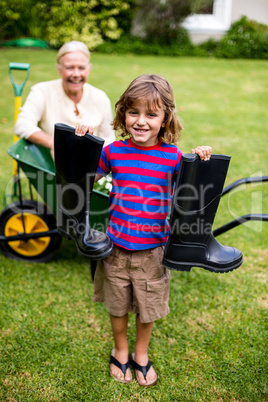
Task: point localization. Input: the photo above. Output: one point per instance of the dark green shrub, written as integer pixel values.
(180, 46)
(245, 39)
(210, 47)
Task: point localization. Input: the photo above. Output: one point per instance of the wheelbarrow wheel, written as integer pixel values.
(28, 217)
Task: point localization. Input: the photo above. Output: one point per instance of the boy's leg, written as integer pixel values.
(119, 327)
(144, 332)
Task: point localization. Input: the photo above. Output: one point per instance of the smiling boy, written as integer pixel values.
(144, 168)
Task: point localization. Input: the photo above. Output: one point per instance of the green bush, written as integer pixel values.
(59, 21)
(245, 39)
(180, 46)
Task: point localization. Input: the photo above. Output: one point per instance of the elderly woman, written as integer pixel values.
(69, 100)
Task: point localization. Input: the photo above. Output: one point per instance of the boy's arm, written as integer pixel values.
(204, 152)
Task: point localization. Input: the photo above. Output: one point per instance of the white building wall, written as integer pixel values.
(254, 9)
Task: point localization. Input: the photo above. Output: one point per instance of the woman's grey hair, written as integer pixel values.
(73, 46)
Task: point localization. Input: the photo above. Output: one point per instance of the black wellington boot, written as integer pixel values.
(196, 198)
(76, 162)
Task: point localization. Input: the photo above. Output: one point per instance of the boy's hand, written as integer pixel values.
(204, 152)
(82, 129)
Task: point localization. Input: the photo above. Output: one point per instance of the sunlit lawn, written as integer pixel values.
(55, 342)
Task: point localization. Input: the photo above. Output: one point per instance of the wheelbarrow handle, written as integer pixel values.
(18, 88)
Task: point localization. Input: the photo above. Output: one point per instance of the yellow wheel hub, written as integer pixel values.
(33, 224)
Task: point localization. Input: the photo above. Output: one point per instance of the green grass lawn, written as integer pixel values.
(55, 343)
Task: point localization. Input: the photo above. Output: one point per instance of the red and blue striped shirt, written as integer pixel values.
(140, 199)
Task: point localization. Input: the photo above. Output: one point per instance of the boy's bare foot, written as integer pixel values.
(144, 371)
(120, 372)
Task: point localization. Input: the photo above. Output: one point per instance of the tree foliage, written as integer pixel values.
(164, 17)
(58, 21)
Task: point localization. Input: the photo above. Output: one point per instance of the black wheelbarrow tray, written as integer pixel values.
(28, 227)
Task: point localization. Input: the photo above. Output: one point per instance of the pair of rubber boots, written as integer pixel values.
(196, 198)
(76, 162)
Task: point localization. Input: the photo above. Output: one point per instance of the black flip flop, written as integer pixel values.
(122, 367)
(143, 369)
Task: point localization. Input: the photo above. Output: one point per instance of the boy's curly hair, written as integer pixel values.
(158, 93)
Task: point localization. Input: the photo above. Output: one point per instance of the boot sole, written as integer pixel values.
(94, 257)
(186, 266)
(91, 256)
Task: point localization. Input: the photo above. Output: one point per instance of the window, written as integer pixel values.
(207, 10)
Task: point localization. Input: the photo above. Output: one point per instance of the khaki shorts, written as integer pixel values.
(133, 281)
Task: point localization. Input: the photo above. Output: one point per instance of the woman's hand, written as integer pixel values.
(82, 129)
(204, 152)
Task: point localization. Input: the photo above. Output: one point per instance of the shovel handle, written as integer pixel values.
(18, 66)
